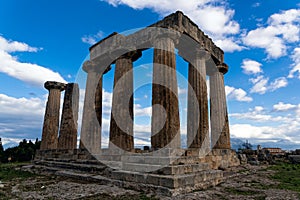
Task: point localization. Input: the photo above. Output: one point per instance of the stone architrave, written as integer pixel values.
(220, 136)
(197, 116)
(121, 123)
(90, 136)
(51, 119)
(68, 127)
(165, 124)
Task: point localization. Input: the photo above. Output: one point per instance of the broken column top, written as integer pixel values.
(54, 85)
(223, 68)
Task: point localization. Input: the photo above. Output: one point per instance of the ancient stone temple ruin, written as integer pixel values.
(164, 167)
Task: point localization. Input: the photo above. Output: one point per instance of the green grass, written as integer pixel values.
(288, 175)
(8, 172)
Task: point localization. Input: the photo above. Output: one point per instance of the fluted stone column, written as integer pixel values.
(121, 123)
(165, 124)
(218, 108)
(90, 136)
(68, 127)
(51, 119)
(197, 119)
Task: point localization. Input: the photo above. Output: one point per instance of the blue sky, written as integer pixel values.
(49, 40)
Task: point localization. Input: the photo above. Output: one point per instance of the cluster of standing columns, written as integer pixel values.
(165, 122)
(68, 127)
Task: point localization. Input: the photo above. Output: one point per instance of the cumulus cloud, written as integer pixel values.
(282, 107)
(287, 131)
(282, 28)
(251, 66)
(228, 45)
(220, 25)
(261, 84)
(237, 94)
(93, 38)
(278, 83)
(251, 131)
(21, 106)
(20, 118)
(285, 126)
(27, 72)
(296, 65)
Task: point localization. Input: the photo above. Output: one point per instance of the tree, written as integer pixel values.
(247, 145)
(1, 151)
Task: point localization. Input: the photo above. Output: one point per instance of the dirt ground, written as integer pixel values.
(247, 182)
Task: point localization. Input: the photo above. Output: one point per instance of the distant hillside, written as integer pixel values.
(283, 144)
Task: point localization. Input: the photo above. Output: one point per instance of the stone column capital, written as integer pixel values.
(49, 85)
(191, 55)
(170, 36)
(223, 68)
(91, 66)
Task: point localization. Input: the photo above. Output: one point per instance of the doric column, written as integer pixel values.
(197, 119)
(165, 124)
(218, 109)
(51, 119)
(90, 136)
(68, 127)
(121, 123)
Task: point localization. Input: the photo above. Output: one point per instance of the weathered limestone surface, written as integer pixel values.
(219, 117)
(197, 121)
(51, 119)
(68, 127)
(165, 125)
(90, 137)
(121, 124)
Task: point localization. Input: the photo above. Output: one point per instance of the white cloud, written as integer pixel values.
(261, 84)
(281, 107)
(92, 39)
(20, 118)
(21, 106)
(296, 66)
(288, 16)
(228, 45)
(278, 83)
(14, 46)
(220, 17)
(251, 67)
(237, 94)
(274, 125)
(282, 28)
(140, 111)
(27, 72)
(250, 131)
